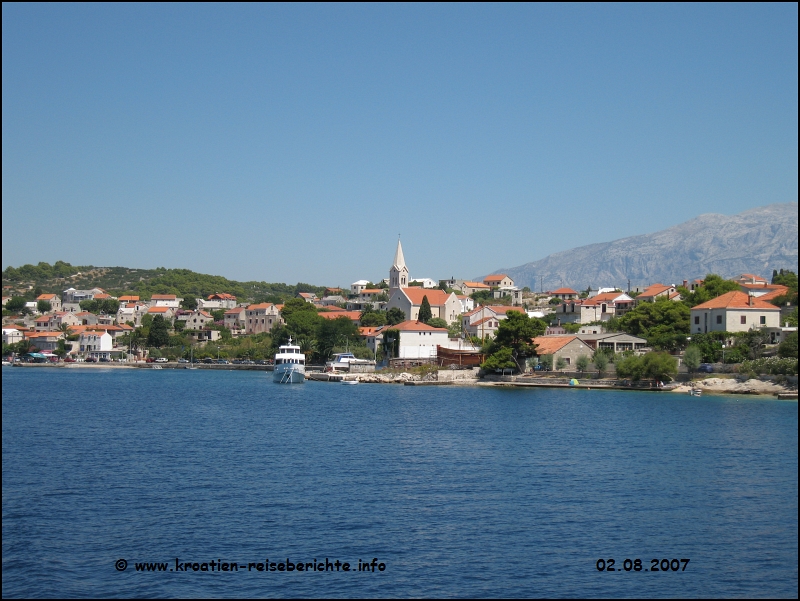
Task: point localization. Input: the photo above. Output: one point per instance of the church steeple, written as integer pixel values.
(398, 274)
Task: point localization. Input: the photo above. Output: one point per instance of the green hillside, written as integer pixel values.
(31, 280)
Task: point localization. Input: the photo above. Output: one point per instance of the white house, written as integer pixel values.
(357, 287)
(417, 340)
(734, 312)
(409, 300)
(92, 340)
(165, 300)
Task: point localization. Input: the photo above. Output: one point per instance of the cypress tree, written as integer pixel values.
(425, 312)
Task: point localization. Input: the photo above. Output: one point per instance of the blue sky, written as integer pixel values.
(295, 142)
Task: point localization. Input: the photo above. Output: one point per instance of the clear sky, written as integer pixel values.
(295, 142)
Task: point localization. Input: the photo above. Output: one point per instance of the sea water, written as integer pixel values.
(431, 491)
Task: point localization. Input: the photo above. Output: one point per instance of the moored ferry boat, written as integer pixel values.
(290, 365)
(343, 362)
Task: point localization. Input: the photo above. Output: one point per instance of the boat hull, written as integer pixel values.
(289, 374)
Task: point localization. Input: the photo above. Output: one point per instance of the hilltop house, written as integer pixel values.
(484, 320)
(498, 280)
(236, 320)
(165, 300)
(262, 317)
(76, 296)
(654, 291)
(195, 320)
(168, 313)
(564, 294)
(734, 312)
(601, 307)
(219, 300)
(53, 299)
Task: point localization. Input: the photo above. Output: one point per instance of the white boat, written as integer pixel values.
(343, 361)
(695, 391)
(290, 365)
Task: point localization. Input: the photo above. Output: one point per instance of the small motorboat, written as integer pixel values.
(695, 392)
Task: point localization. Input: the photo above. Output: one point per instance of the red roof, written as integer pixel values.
(495, 278)
(351, 315)
(259, 306)
(435, 296)
(654, 289)
(736, 300)
(158, 309)
(547, 345)
(414, 326)
(164, 297)
(234, 310)
(563, 291)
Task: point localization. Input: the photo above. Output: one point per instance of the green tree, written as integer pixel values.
(43, 306)
(372, 318)
(455, 329)
(561, 363)
(788, 347)
(660, 365)
(159, 332)
(692, 358)
(391, 343)
(394, 316)
(713, 286)
(334, 333)
(664, 323)
(218, 314)
(502, 359)
(582, 363)
(425, 312)
(600, 362)
(517, 332)
(437, 322)
(15, 304)
(189, 303)
(630, 368)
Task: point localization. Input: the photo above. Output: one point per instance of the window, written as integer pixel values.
(763, 320)
(719, 319)
(743, 319)
(696, 320)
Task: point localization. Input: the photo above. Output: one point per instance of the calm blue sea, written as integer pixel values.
(458, 492)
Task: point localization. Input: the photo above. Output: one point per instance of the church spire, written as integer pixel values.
(399, 259)
(398, 274)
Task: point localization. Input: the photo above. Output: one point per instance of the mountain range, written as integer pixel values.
(755, 241)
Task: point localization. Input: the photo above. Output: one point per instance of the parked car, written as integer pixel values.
(69, 360)
(162, 360)
(706, 368)
(105, 360)
(91, 359)
(182, 360)
(150, 360)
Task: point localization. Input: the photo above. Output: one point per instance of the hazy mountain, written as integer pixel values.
(756, 241)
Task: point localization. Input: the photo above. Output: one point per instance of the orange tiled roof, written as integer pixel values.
(495, 278)
(128, 298)
(102, 296)
(42, 334)
(372, 290)
(414, 326)
(547, 345)
(43, 297)
(780, 291)
(235, 310)
(736, 300)
(435, 296)
(164, 297)
(260, 306)
(351, 315)
(476, 285)
(158, 309)
(654, 289)
(563, 291)
(221, 296)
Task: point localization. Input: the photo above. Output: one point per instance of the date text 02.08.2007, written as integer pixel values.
(635, 565)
